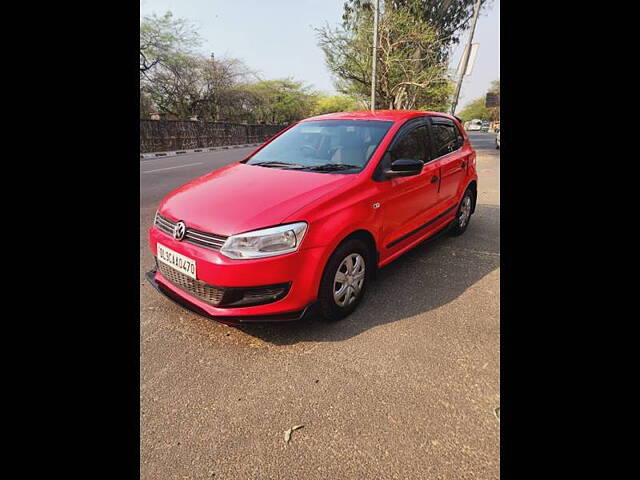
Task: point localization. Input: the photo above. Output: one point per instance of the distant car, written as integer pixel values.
(475, 125)
(498, 139)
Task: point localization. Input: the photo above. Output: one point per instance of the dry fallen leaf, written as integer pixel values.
(287, 433)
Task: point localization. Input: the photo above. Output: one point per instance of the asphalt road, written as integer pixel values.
(405, 388)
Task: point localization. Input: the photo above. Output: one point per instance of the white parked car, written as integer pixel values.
(475, 125)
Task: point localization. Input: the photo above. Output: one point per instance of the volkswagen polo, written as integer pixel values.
(302, 224)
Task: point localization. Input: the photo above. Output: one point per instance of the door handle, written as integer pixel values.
(434, 179)
(462, 165)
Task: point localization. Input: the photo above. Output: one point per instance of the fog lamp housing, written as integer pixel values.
(251, 296)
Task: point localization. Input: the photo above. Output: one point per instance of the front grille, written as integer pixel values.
(203, 239)
(164, 224)
(203, 291)
(193, 236)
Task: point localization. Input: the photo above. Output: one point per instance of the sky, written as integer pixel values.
(276, 38)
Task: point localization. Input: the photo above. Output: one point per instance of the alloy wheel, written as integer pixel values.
(349, 278)
(465, 211)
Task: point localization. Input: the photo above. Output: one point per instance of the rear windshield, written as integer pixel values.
(319, 145)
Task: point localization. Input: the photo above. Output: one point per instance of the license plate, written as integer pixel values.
(175, 260)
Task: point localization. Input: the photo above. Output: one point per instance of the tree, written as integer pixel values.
(222, 94)
(449, 17)
(475, 110)
(146, 105)
(495, 111)
(281, 101)
(174, 88)
(181, 83)
(188, 85)
(336, 103)
(411, 71)
(168, 69)
(161, 38)
(495, 87)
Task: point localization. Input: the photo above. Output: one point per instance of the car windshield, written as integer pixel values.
(343, 146)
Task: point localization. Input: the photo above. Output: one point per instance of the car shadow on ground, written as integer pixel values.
(431, 275)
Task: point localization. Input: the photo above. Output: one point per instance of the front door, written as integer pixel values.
(408, 202)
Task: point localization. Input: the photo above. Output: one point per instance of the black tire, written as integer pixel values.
(328, 306)
(457, 227)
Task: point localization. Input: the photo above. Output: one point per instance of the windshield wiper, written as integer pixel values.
(278, 164)
(328, 167)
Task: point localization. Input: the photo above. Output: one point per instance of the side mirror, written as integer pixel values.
(404, 167)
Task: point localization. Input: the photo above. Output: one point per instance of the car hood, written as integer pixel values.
(240, 197)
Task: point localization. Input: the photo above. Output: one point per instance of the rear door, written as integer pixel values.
(451, 157)
(407, 202)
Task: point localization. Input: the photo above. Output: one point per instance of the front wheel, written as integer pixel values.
(463, 216)
(344, 280)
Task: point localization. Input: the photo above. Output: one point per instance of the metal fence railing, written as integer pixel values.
(170, 135)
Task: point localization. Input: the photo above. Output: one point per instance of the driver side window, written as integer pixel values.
(410, 145)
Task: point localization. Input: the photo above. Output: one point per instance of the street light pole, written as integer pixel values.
(375, 55)
(465, 58)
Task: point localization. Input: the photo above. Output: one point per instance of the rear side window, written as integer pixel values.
(446, 137)
(459, 137)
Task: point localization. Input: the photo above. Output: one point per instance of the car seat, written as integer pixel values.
(350, 150)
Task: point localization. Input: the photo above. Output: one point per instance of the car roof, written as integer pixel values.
(384, 115)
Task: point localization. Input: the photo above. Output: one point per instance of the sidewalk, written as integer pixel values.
(196, 150)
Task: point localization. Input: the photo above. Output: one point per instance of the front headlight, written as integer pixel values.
(268, 242)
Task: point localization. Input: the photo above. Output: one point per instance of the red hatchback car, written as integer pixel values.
(304, 221)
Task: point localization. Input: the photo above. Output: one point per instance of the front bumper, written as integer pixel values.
(187, 302)
(302, 270)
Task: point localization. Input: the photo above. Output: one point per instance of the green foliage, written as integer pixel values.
(449, 17)
(336, 103)
(477, 109)
(146, 105)
(281, 101)
(411, 72)
(495, 87)
(180, 83)
(162, 38)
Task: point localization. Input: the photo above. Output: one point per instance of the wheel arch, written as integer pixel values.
(367, 237)
(473, 186)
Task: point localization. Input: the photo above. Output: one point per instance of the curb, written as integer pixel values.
(195, 150)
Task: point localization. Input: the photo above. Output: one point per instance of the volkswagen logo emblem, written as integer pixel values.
(179, 230)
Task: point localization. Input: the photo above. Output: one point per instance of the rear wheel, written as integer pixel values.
(345, 279)
(463, 215)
